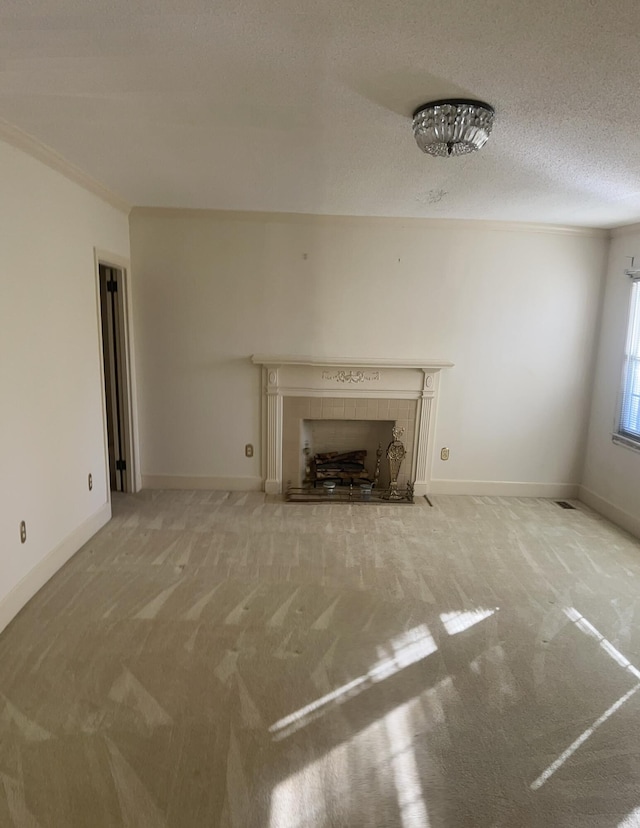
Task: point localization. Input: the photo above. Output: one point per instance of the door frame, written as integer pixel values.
(128, 386)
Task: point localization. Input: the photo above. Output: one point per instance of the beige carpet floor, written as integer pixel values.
(225, 660)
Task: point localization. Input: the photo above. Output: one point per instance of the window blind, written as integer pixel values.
(630, 412)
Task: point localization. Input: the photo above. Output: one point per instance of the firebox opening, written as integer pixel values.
(355, 442)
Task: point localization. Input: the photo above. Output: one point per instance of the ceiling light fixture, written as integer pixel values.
(453, 126)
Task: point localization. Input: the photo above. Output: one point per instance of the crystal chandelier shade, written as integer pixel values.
(452, 127)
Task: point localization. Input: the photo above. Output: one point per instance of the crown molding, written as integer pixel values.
(31, 146)
(625, 230)
(319, 219)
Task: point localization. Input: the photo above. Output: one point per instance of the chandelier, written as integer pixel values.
(452, 127)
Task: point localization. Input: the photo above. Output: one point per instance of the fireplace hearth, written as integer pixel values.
(347, 495)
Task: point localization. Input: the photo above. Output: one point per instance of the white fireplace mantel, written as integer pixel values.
(353, 378)
(359, 362)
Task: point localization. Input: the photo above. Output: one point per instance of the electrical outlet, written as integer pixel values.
(90, 481)
(248, 450)
(444, 454)
(23, 532)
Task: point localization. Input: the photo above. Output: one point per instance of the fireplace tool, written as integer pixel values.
(376, 476)
(307, 465)
(395, 455)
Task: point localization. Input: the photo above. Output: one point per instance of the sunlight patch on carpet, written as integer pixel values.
(403, 650)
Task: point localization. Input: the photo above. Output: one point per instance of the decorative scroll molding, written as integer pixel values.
(352, 376)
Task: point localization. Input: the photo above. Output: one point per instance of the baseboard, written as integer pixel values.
(502, 488)
(225, 484)
(611, 512)
(36, 578)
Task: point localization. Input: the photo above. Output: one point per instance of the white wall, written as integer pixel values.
(51, 418)
(611, 482)
(514, 309)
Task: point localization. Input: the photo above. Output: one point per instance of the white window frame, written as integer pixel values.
(630, 386)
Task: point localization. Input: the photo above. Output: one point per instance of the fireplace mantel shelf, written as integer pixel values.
(355, 362)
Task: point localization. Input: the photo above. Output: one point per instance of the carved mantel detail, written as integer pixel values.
(352, 376)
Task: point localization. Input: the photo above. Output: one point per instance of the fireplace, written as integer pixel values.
(344, 424)
(301, 390)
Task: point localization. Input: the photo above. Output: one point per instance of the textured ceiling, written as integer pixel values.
(304, 106)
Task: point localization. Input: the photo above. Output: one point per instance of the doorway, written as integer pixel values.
(116, 376)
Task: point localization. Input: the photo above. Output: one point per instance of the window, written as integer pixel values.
(629, 424)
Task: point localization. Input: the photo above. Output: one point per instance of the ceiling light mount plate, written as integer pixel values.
(452, 126)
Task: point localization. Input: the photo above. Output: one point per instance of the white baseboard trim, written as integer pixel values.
(225, 484)
(610, 511)
(36, 578)
(503, 488)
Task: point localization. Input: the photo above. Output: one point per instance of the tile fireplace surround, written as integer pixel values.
(348, 389)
